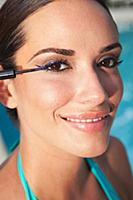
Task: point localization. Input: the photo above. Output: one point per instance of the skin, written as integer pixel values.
(51, 148)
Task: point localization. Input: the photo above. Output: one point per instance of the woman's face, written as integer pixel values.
(71, 105)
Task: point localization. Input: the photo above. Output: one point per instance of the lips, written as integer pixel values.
(88, 120)
(87, 117)
(91, 122)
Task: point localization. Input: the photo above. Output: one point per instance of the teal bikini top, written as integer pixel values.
(108, 189)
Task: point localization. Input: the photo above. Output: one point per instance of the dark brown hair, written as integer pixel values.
(12, 37)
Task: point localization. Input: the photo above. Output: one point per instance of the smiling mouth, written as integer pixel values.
(94, 120)
(89, 122)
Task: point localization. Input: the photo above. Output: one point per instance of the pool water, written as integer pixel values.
(123, 125)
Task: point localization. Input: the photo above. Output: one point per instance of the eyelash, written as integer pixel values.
(103, 63)
(50, 66)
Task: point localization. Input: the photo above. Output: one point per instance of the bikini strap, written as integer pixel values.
(95, 169)
(107, 187)
(28, 192)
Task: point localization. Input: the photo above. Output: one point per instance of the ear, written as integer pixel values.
(7, 93)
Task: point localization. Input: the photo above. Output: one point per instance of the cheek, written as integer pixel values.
(54, 94)
(48, 95)
(114, 86)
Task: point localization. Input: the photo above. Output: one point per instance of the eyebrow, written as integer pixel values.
(65, 52)
(111, 47)
(69, 52)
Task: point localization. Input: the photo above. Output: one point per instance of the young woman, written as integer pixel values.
(60, 82)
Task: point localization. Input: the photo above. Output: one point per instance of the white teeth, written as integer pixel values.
(85, 120)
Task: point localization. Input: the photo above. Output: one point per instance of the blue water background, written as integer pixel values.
(123, 125)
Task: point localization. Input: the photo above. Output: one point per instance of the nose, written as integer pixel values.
(90, 89)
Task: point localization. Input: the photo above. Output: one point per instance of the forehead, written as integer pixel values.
(70, 22)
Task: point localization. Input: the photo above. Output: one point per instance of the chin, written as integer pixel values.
(93, 151)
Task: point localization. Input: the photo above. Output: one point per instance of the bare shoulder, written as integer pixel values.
(118, 159)
(115, 164)
(9, 181)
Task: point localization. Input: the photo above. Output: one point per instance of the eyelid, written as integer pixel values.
(110, 55)
(51, 62)
(43, 60)
(49, 66)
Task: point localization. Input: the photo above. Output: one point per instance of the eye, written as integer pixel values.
(56, 66)
(109, 62)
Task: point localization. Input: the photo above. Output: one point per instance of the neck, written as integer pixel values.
(51, 173)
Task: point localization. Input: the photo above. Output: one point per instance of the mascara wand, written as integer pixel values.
(11, 73)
